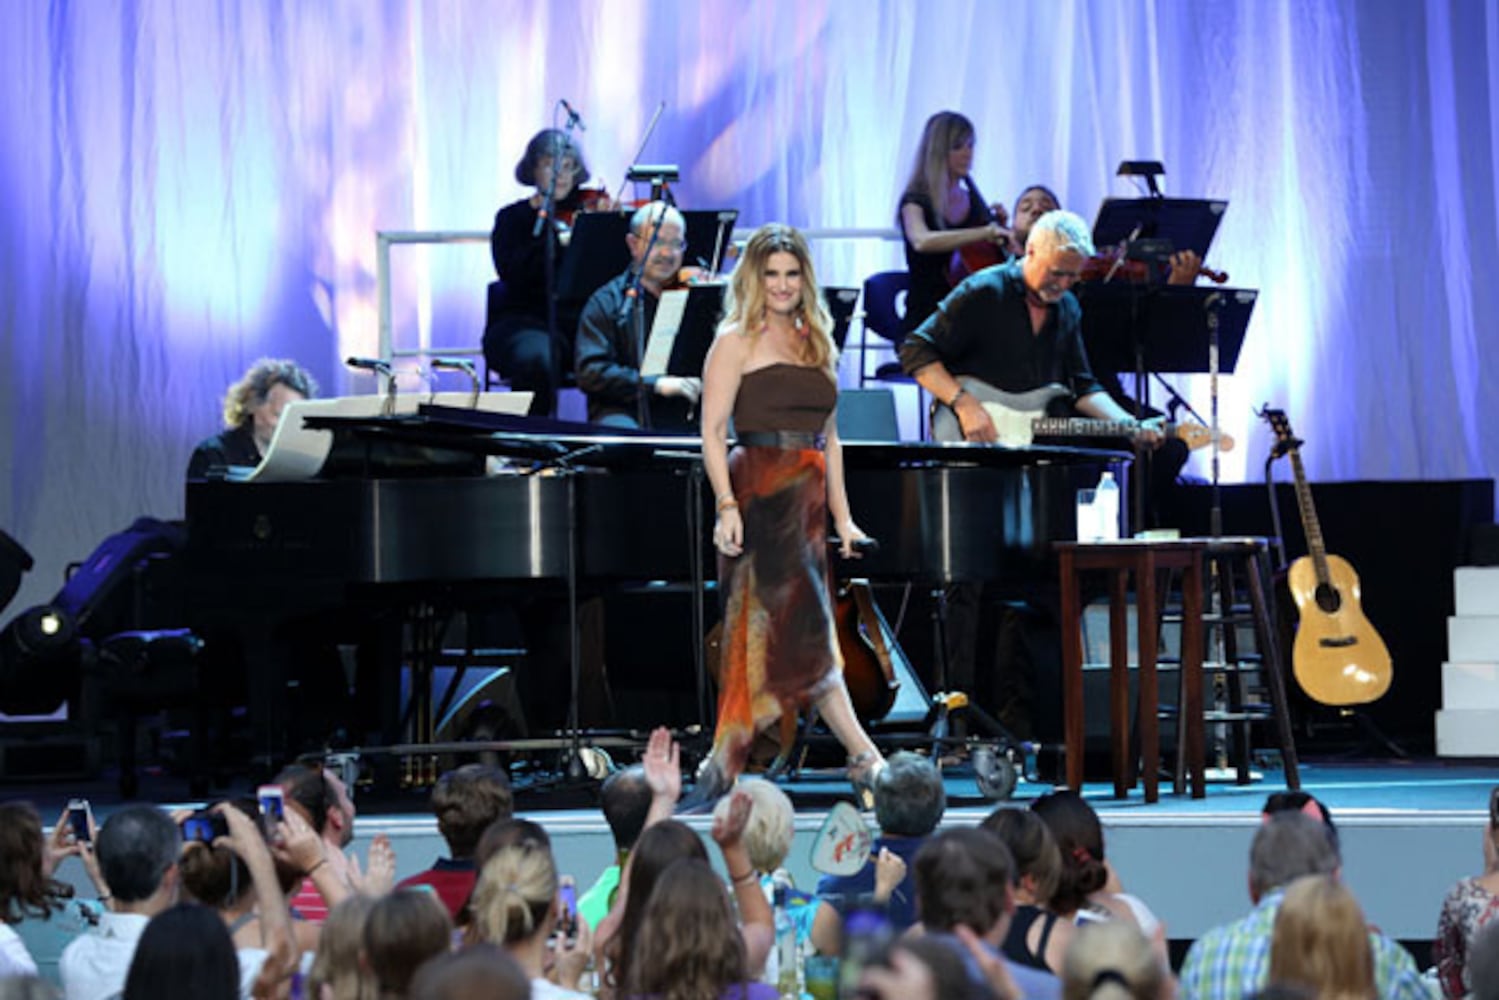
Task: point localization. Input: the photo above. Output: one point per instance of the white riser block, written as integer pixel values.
(1468, 733)
(1475, 590)
(1473, 639)
(1470, 685)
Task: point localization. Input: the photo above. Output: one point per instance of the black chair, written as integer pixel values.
(884, 311)
(493, 379)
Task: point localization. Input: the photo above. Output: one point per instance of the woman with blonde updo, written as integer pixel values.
(1112, 960)
(516, 905)
(772, 368)
(1321, 942)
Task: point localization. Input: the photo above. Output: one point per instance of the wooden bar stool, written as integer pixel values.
(1144, 560)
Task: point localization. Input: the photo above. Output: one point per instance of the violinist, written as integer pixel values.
(611, 336)
(1034, 202)
(942, 211)
(518, 342)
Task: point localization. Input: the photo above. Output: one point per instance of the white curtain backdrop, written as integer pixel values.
(190, 185)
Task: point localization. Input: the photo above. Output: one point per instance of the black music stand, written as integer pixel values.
(1188, 223)
(1163, 328)
(596, 253)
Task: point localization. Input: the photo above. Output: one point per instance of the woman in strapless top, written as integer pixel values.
(772, 368)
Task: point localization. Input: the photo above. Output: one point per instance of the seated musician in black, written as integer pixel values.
(1018, 327)
(517, 341)
(252, 409)
(610, 346)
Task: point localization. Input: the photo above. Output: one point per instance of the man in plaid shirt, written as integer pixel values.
(1233, 961)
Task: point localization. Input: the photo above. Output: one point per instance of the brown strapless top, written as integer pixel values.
(784, 397)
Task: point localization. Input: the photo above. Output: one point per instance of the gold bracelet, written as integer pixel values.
(742, 879)
(727, 503)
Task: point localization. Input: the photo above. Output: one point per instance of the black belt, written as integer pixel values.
(791, 440)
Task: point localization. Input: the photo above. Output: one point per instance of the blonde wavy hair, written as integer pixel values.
(767, 835)
(744, 301)
(514, 894)
(943, 133)
(251, 390)
(336, 964)
(688, 946)
(1321, 941)
(1111, 960)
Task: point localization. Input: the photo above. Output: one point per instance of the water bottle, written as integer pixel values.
(1106, 507)
(788, 971)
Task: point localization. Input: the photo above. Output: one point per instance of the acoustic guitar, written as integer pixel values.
(1338, 658)
(1019, 418)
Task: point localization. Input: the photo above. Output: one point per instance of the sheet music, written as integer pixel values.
(664, 330)
(298, 452)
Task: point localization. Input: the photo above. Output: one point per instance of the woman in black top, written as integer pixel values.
(942, 210)
(517, 343)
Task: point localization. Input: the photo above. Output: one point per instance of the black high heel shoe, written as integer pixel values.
(712, 784)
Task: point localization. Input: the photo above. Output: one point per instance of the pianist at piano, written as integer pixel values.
(609, 343)
(772, 366)
(252, 409)
(1017, 327)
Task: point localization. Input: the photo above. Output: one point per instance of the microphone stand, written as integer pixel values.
(1214, 303)
(637, 321)
(546, 216)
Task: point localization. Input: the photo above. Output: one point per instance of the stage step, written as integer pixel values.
(1468, 686)
(1468, 732)
(1473, 639)
(1476, 591)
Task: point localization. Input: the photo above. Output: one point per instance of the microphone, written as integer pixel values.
(453, 365)
(572, 116)
(370, 365)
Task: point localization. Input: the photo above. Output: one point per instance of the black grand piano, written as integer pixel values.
(410, 512)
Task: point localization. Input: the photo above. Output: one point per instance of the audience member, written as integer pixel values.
(1233, 960)
(516, 906)
(661, 844)
(1038, 937)
(404, 929)
(625, 799)
(319, 795)
(1321, 941)
(466, 801)
(1469, 905)
(909, 800)
(478, 972)
(237, 878)
(1088, 887)
(26, 988)
(27, 889)
(336, 972)
(1112, 960)
(767, 840)
(688, 946)
(185, 953)
(963, 879)
(137, 851)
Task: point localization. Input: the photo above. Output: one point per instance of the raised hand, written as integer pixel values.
(728, 826)
(663, 765)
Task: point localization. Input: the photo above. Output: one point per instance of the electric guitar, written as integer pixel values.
(1020, 417)
(1338, 658)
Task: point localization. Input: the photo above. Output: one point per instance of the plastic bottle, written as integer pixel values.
(1106, 507)
(788, 973)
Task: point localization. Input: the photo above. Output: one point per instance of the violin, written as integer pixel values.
(1109, 265)
(588, 200)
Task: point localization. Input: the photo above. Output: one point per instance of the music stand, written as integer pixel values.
(695, 335)
(596, 253)
(1189, 223)
(1168, 323)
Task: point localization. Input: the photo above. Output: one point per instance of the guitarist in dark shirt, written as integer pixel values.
(1018, 327)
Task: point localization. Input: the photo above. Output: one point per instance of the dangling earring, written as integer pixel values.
(799, 323)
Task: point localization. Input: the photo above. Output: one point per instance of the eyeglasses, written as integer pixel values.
(667, 246)
(569, 166)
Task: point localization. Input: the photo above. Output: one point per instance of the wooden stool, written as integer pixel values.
(1143, 559)
(1233, 562)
